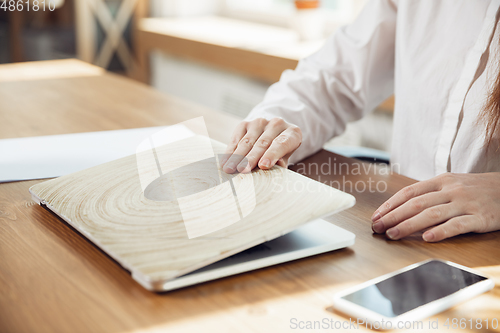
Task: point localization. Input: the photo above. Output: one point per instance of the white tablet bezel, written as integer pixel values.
(427, 310)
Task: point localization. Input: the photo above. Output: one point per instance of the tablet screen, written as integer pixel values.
(408, 290)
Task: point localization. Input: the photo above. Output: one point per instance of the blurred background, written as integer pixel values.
(223, 54)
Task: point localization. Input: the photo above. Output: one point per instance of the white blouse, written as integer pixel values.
(439, 58)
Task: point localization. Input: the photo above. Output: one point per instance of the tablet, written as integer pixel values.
(412, 293)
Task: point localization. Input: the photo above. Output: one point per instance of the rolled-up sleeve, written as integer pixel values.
(347, 78)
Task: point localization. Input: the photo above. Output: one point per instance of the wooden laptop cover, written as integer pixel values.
(107, 204)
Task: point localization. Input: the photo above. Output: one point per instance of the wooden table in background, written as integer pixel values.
(54, 280)
(255, 50)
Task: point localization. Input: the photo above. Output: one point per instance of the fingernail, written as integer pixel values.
(230, 167)
(392, 233)
(376, 216)
(266, 163)
(428, 236)
(378, 227)
(242, 166)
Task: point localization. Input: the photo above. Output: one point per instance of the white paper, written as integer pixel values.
(58, 155)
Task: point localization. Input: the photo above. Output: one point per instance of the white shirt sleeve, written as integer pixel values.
(347, 78)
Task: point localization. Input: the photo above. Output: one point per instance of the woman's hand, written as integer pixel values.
(263, 143)
(452, 204)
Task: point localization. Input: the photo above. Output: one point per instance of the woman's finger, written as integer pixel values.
(455, 226)
(405, 194)
(284, 144)
(283, 162)
(409, 209)
(260, 147)
(254, 131)
(238, 133)
(429, 217)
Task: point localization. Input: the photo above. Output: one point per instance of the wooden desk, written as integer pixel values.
(54, 280)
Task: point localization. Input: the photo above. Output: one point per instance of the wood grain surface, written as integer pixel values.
(152, 239)
(54, 280)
